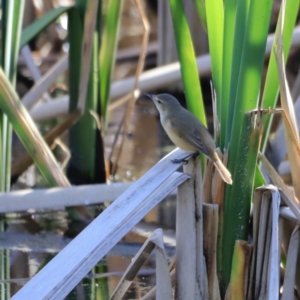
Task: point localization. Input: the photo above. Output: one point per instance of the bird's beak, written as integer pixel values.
(151, 96)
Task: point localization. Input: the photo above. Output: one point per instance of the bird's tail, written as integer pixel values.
(223, 171)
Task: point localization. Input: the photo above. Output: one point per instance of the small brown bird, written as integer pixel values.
(187, 132)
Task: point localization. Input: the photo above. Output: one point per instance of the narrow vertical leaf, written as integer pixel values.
(108, 50)
(228, 36)
(13, 11)
(188, 67)
(215, 24)
(236, 69)
(85, 165)
(75, 33)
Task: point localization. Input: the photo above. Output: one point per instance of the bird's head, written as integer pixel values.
(164, 102)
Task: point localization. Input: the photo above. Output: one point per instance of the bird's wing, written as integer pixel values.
(190, 135)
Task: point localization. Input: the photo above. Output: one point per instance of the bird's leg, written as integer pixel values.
(185, 159)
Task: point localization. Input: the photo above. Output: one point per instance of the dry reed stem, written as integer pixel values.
(207, 182)
(134, 93)
(210, 227)
(237, 288)
(291, 266)
(277, 180)
(164, 288)
(29, 134)
(289, 116)
(23, 163)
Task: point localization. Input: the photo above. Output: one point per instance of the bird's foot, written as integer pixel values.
(178, 161)
(184, 160)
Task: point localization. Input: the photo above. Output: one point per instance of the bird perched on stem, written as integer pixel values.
(187, 132)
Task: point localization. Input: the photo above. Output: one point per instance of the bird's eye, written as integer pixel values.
(159, 102)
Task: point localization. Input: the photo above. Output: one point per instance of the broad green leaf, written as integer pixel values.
(237, 211)
(243, 152)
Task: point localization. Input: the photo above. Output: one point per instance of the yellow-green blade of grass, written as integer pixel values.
(29, 135)
(270, 94)
(188, 67)
(228, 41)
(231, 82)
(12, 41)
(3, 118)
(37, 26)
(14, 11)
(108, 50)
(215, 24)
(259, 179)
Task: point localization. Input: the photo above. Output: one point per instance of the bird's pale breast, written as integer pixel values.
(175, 138)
